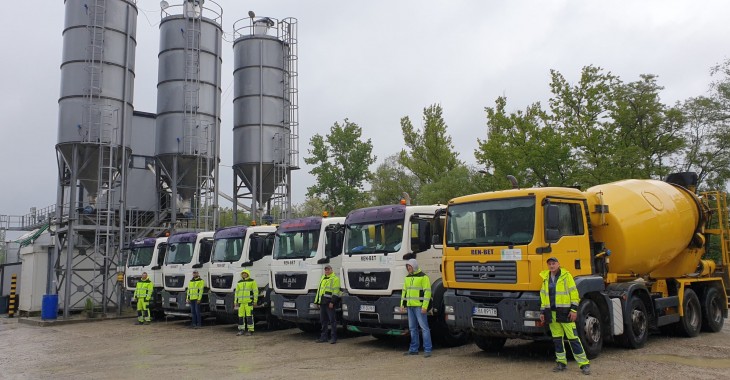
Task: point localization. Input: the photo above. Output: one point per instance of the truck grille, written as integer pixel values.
(175, 281)
(222, 281)
(499, 272)
(132, 281)
(369, 280)
(290, 280)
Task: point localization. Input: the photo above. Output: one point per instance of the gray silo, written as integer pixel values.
(95, 110)
(188, 112)
(265, 113)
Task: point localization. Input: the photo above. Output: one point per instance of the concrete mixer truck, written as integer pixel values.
(638, 250)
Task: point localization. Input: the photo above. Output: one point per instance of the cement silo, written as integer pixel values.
(95, 110)
(265, 113)
(188, 112)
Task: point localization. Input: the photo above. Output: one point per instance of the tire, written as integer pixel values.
(590, 328)
(309, 327)
(691, 323)
(712, 310)
(441, 334)
(636, 328)
(489, 343)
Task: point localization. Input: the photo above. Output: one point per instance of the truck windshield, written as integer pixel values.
(296, 244)
(179, 253)
(377, 237)
(491, 223)
(228, 250)
(140, 256)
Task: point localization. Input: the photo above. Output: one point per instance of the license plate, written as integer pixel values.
(488, 311)
(220, 302)
(290, 305)
(173, 299)
(367, 308)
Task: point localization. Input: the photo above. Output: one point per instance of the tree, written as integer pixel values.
(390, 181)
(341, 166)
(523, 144)
(707, 132)
(430, 153)
(312, 206)
(460, 181)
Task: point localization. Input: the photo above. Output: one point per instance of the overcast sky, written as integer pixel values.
(374, 62)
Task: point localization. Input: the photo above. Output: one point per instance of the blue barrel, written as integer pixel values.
(49, 307)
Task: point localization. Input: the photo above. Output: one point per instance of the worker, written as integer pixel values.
(143, 294)
(194, 296)
(328, 295)
(247, 295)
(559, 301)
(415, 299)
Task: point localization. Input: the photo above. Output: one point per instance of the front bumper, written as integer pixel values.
(173, 303)
(294, 308)
(374, 315)
(506, 317)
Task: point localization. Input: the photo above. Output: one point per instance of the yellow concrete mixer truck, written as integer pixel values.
(638, 250)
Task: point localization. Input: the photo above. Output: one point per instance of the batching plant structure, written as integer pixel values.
(265, 116)
(188, 113)
(95, 110)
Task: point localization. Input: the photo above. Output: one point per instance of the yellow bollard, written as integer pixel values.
(11, 299)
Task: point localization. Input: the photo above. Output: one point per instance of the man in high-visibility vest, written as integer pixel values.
(559, 301)
(247, 295)
(143, 294)
(328, 295)
(194, 296)
(415, 298)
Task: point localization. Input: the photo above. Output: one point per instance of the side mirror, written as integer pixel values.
(156, 267)
(247, 264)
(197, 266)
(552, 223)
(436, 239)
(324, 260)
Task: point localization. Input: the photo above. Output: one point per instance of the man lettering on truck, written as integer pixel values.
(559, 301)
(246, 291)
(194, 296)
(415, 297)
(327, 297)
(143, 293)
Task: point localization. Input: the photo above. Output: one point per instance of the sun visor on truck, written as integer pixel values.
(183, 237)
(231, 232)
(376, 214)
(301, 224)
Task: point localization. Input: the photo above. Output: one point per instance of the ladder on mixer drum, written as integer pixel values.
(719, 225)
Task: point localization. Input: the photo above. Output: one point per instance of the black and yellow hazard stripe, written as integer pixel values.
(11, 300)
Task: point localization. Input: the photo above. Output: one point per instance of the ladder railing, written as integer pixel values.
(191, 88)
(96, 26)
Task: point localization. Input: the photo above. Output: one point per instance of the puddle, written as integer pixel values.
(695, 361)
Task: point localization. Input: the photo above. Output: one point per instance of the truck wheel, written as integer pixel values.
(691, 323)
(590, 328)
(489, 343)
(446, 337)
(636, 328)
(712, 311)
(309, 327)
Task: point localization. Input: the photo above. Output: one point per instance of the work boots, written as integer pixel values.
(586, 369)
(560, 367)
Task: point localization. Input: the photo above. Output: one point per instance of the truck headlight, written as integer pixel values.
(532, 314)
(448, 309)
(344, 307)
(312, 305)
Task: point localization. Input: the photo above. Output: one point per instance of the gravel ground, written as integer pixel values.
(116, 349)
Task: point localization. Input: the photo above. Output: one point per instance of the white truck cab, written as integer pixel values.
(186, 252)
(146, 255)
(378, 242)
(235, 249)
(302, 248)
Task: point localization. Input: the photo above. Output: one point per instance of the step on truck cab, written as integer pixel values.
(146, 255)
(378, 242)
(235, 249)
(302, 248)
(186, 252)
(638, 250)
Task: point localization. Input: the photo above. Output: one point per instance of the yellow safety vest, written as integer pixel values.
(195, 289)
(143, 289)
(416, 290)
(246, 291)
(566, 294)
(329, 289)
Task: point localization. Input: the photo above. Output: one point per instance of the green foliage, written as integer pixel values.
(312, 206)
(455, 183)
(225, 218)
(341, 167)
(389, 182)
(429, 152)
(707, 133)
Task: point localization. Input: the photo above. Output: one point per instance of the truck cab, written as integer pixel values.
(146, 255)
(235, 249)
(302, 248)
(186, 252)
(378, 242)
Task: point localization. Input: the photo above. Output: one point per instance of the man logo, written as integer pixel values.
(367, 280)
(289, 281)
(483, 268)
(220, 282)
